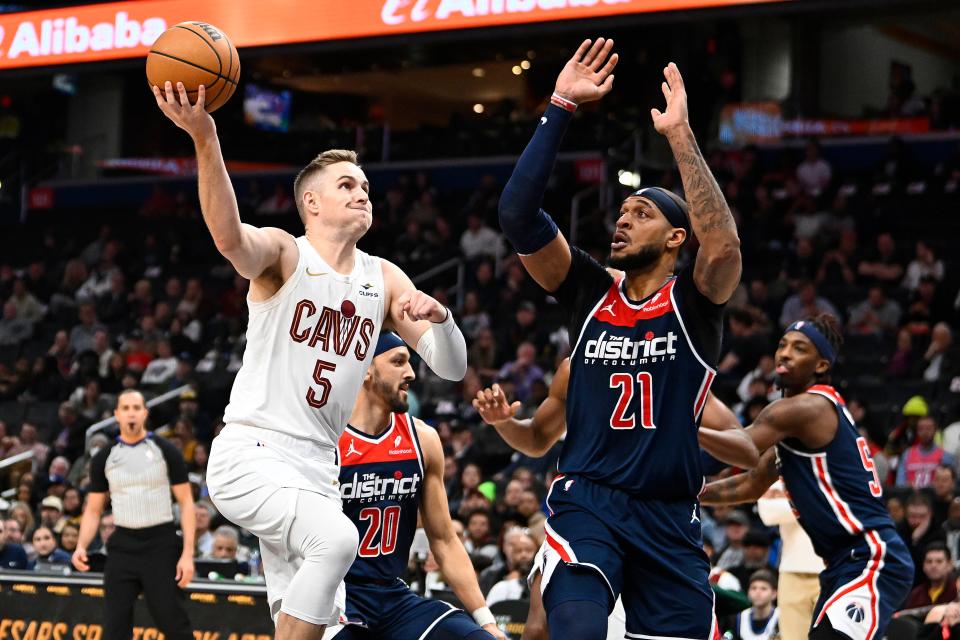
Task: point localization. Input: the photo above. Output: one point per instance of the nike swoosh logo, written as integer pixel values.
(309, 273)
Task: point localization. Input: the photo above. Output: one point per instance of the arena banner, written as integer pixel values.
(65, 609)
(91, 33)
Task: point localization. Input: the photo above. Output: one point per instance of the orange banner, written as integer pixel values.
(90, 33)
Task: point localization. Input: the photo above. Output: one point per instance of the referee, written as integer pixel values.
(145, 553)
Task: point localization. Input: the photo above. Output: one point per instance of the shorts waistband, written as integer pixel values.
(293, 444)
(380, 582)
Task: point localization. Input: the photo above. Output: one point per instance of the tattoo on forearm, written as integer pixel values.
(707, 207)
(742, 487)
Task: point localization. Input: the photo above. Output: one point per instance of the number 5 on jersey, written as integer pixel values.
(624, 381)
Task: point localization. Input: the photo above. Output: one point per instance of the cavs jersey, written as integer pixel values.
(380, 482)
(639, 376)
(308, 348)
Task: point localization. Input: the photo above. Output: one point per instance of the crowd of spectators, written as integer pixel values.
(149, 305)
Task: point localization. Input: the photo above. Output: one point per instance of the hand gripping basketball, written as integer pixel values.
(193, 119)
(493, 407)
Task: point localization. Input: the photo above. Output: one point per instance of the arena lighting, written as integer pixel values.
(478, 108)
(110, 31)
(628, 178)
(516, 70)
(478, 72)
(525, 65)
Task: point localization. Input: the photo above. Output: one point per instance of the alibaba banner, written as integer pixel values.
(60, 609)
(89, 33)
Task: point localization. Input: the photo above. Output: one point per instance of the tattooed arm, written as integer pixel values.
(718, 266)
(745, 487)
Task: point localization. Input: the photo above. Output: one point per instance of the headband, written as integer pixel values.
(818, 339)
(667, 205)
(388, 340)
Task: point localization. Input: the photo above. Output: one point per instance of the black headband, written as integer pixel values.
(673, 212)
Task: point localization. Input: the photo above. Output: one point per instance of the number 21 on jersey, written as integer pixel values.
(624, 381)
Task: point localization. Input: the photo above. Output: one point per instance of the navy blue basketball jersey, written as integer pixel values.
(639, 376)
(834, 490)
(380, 482)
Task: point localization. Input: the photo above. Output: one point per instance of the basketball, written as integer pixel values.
(195, 53)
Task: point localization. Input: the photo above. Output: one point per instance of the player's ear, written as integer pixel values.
(676, 238)
(823, 366)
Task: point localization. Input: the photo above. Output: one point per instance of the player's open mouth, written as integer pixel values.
(781, 369)
(619, 241)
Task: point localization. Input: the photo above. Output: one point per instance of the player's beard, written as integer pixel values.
(639, 260)
(392, 395)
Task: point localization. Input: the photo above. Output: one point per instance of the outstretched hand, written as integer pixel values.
(193, 119)
(675, 116)
(493, 407)
(588, 75)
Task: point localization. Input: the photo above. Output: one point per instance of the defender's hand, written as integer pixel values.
(494, 630)
(492, 405)
(193, 119)
(675, 116)
(417, 305)
(587, 75)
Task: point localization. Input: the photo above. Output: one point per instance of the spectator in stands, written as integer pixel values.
(944, 487)
(204, 536)
(748, 344)
(112, 305)
(952, 529)
(82, 335)
(91, 405)
(924, 265)
(479, 240)
(104, 531)
(905, 433)
(520, 553)
(101, 347)
(70, 432)
(473, 318)
(226, 546)
(28, 307)
(737, 525)
(814, 173)
(884, 267)
(99, 282)
(81, 466)
(805, 304)
(161, 369)
(69, 536)
(756, 554)
(877, 315)
(478, 532)
(12, 531)
(72, 505)
(13, 329)
(941, 343)
(45, 544)
(762, 620)
(12, 555)
(28, 441)
(939, 584)
(918, 530)
(278, 203)
(522, 371)
(482, 356)
(51, 513)
(919, 461)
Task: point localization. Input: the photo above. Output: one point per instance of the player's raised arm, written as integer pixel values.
(544, 251)
(534, 436)
(447, 547)
(722, 436)
(424, 324)
(250, 250)
(718, 267)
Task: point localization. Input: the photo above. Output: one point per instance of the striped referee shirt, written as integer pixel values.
(138, 477)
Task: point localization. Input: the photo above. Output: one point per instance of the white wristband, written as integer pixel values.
(483, 616)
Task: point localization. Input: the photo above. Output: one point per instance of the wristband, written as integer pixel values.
(563, 103)
(483, 617)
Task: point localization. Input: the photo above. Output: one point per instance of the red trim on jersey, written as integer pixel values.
(558, 548)
(827, 390)
(702, 400)
(358, 450)
(869, 579)
(852, 525)
(615, 310)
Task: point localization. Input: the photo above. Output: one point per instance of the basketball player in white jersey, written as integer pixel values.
(317, 305)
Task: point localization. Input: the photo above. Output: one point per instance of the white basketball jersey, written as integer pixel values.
(308, 348)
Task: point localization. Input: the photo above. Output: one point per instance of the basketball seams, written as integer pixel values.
(229, 75)
(192, 64)
(206, 42)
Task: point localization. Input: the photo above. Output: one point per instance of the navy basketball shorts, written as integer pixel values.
(862, 587)
(648, 552)
(394, 611)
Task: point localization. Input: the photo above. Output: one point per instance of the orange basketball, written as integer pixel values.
(195, 53)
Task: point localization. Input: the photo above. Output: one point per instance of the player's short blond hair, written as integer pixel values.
(318, 164)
